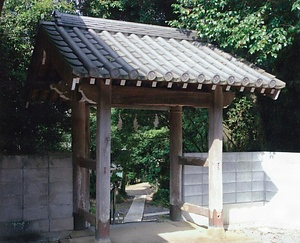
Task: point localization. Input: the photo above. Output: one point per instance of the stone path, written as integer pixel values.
(136, 210)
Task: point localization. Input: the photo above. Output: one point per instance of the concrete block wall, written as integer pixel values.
(244, 180)
(258, 187)
(36, 193)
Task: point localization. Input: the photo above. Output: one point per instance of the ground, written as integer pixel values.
(194, 233)
(270, 235)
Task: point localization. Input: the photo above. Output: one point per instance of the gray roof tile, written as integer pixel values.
(115, 49)
(70, 55)
(75, 62)
(64, 48)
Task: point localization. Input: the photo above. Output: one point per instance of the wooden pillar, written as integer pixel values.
(175, 167)
(80, 148)
(103, 163)
(215, 160)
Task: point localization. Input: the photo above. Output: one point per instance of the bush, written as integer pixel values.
(161, 198)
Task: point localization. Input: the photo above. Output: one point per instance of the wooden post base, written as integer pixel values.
(102, 232)
(216, 219)
(103, 240)
(175, 213)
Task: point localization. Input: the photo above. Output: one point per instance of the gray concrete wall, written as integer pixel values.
(258, 188)
(36, 193)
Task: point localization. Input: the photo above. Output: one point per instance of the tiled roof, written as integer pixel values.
(117, 50)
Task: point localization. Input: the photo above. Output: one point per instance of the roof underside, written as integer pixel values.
(74, 49)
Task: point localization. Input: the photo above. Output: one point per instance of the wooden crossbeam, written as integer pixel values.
(125, 96)
(87, 216)
(196, 161)
(86, 163)
(191, 208)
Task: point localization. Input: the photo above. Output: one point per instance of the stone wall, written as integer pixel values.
(258, 187)
(36, 193)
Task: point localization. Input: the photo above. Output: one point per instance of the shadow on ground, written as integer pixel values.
(161, 232)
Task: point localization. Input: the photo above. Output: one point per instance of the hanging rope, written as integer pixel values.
(156, 121)
(135, 124)
(120, 123)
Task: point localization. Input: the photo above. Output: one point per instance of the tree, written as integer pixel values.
(263, 32)
(195, 130)
(242, 126)
(37, 128)
(146, 11)
(140, 144)
(1, 5)
(256, 30)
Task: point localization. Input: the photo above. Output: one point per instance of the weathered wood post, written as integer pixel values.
(103, 163)
(175, 167)
(80, 147)
(215, 160)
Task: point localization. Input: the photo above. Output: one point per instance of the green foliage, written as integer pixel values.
(195, 130)
(142, 153)
(40, 127)
(256, 30)
(103, 9)
(151, 155)
(266, 33)
(151, 12)
(20, 19)
(161, 198)
(242, 126)
(114, 179)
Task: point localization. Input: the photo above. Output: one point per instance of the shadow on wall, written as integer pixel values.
(281, 209)
(260, 188)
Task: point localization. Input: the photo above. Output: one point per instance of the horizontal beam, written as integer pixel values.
(193, 161)
(191, 208)
(87, 216)
(143, 107)
(159, 97)
(125, 96)
(86, 163)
